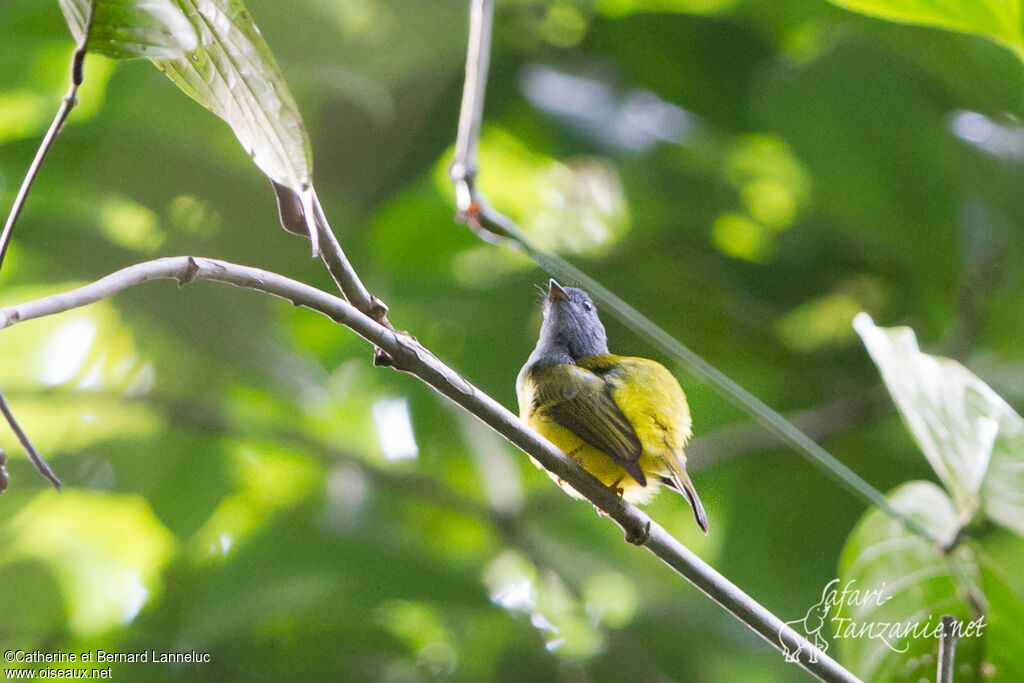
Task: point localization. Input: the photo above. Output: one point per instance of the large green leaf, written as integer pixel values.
(917, 583)
(125, 29)
(964, 428)
(999, 20)
(214, 52)
(234, 75)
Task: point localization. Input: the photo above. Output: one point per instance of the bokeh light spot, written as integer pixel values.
(130, 225)
(194, 216)
(394, 428)
(770, 202)
(738, 236)
(66, 350)
(611, 598)
(563, 25)
(825, 321)
(577, 206)
(24, 114)
(620, 8)
(106, 551)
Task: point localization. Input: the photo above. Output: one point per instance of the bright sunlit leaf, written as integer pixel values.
(1002, 490)
(27, 112)
(66, 350)
(125, 29)
(418, 624)
(214, 52)
(960, 424)
(771, 180)
(497, 465)
(233, 74)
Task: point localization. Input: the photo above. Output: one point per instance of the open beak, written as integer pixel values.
(555, 292)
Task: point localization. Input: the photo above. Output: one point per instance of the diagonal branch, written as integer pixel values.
(492, 226)
(410, 356)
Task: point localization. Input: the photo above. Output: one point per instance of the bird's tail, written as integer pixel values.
(681, 482)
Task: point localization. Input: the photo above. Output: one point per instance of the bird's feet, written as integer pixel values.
(639, 537)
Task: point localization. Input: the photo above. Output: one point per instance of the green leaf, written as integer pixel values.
(999, 20)
(916, 583)
(1004, 637)
(234, 75)
(1002, 491)
(127, 29)
(959, 422)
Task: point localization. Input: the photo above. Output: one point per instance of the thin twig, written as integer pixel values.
(33, 454)
(297, 212)
(342, 271)
(410, 356)
(839, 415)
(491, 225)
(463, 169)
(67, 104)
(301, 214)
(947, 649)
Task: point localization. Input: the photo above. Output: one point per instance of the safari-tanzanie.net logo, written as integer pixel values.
(832, 614)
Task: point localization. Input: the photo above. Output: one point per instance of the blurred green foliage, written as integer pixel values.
(238, 477)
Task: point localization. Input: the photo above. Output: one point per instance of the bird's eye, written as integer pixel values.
(587, 307)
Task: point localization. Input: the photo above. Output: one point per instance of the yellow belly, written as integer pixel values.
(600, 465)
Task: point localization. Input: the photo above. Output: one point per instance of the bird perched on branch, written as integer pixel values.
(625, 420)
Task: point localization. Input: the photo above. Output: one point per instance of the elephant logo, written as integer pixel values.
(811, 624)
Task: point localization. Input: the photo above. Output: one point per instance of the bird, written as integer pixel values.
(625, 420)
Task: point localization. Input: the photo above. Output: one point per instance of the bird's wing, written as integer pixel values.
(582, 402)
(649, 396)
(658, 412)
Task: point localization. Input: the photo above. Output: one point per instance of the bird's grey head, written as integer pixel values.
(571, 328)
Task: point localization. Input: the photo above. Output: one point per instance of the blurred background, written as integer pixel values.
(240, 480)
